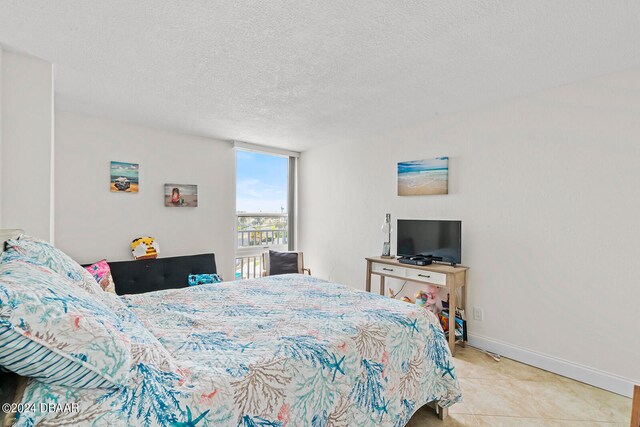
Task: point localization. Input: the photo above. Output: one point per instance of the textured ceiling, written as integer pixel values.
(303, 73)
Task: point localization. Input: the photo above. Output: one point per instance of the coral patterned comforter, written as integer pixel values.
(286, 350)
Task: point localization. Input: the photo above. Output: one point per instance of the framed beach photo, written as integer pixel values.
(181, 195)
(423, 177)
(124, 177)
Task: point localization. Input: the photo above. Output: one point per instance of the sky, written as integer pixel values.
(128, 170)
(261, 182)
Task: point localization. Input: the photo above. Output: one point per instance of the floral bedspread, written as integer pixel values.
(280, 351)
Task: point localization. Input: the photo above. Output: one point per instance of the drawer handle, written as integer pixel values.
(423, 275)
(387, 269)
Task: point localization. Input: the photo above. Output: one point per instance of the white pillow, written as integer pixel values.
(56, 332)
(39, 252)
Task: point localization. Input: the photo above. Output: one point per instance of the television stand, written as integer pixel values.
(453, 278)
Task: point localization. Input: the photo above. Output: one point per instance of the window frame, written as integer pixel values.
(256, 251)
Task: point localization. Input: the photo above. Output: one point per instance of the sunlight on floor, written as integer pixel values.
(509, 393)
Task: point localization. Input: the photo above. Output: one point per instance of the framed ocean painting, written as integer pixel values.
(423, 177)
(124, 177)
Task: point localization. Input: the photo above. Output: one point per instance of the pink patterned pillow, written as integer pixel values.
(102, 273)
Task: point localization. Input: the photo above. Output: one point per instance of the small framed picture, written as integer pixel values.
(124, 177)
(181, 195)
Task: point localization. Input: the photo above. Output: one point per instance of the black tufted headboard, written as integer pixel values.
(146, 275)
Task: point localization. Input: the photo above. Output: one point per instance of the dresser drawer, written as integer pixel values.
(391, 270)
(427, 277)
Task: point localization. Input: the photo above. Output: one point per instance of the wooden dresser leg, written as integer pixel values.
(452, 317)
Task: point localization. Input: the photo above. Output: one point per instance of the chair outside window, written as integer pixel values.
(289, 262)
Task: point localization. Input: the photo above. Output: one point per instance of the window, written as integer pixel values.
(264, 190)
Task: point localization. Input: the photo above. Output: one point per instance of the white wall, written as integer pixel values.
(26, 144)
(93, 223)
(548, 190)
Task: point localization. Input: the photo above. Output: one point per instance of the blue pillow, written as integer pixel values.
(203, 279)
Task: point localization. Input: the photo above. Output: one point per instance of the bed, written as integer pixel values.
(275, 351)
(288, 350)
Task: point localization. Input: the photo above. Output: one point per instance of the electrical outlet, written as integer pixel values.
(478, 314)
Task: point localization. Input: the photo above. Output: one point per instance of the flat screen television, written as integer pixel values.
(418, 237)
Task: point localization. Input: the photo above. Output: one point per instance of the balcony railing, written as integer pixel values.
(256, 233)
(262, 238)
(249, 267)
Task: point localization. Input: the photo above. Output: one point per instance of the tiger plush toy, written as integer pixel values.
(145, 248)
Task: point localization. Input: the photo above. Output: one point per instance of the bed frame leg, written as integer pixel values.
(442, 413)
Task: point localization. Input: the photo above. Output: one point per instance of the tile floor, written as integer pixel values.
(509, 393)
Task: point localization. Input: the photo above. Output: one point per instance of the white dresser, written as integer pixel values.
(445, 276)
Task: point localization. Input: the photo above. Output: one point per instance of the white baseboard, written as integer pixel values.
(585, 374)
